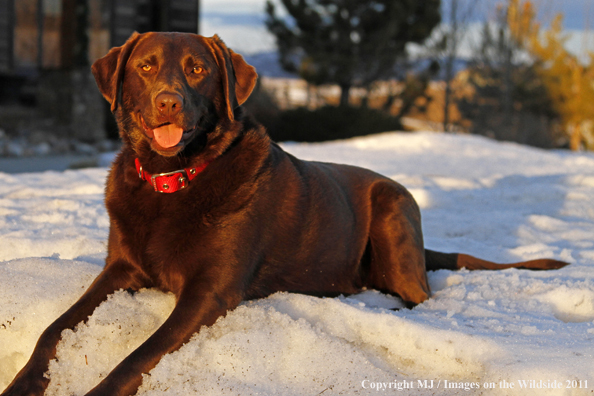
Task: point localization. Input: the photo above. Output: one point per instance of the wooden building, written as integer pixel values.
(47, 46)
(41, 34)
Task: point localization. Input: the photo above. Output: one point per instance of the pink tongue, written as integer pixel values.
(168, 135)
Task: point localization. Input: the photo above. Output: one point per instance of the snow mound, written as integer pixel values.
(479, 333)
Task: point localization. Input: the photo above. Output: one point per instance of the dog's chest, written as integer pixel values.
(163, 234)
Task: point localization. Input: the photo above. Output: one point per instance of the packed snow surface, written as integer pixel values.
(509, 332)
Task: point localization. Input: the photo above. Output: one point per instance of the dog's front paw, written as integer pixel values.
(26, 384)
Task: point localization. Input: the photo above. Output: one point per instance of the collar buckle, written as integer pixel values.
(171, 181)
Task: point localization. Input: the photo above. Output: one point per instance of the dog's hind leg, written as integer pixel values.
(396, 253)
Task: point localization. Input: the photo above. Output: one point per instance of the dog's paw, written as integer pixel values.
(26, 385)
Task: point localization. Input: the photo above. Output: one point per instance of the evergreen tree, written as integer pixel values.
(349, 42)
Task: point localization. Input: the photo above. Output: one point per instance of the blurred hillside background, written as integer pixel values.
(512, 70)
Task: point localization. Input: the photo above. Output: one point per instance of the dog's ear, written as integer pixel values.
(109, 70)
(245, 77)
(238, 78)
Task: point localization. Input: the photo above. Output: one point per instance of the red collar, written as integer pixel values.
(169, 182)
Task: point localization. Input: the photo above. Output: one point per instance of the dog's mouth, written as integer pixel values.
(167, 136)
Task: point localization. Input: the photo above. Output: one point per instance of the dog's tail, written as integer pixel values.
(453, 261)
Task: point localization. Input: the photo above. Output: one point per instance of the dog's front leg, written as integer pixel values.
(200, 304)
(30, 380)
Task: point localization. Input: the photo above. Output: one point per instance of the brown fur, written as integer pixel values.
(254, 222)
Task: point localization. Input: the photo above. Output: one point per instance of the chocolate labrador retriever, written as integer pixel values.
(204, 205)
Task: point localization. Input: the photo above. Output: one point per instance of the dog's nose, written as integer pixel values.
(169, 103)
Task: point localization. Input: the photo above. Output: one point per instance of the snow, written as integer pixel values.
(480, 332)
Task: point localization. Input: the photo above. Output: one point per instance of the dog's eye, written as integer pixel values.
(146, 68)
(197, 70)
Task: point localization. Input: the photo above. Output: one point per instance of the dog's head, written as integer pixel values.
(167, 89)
